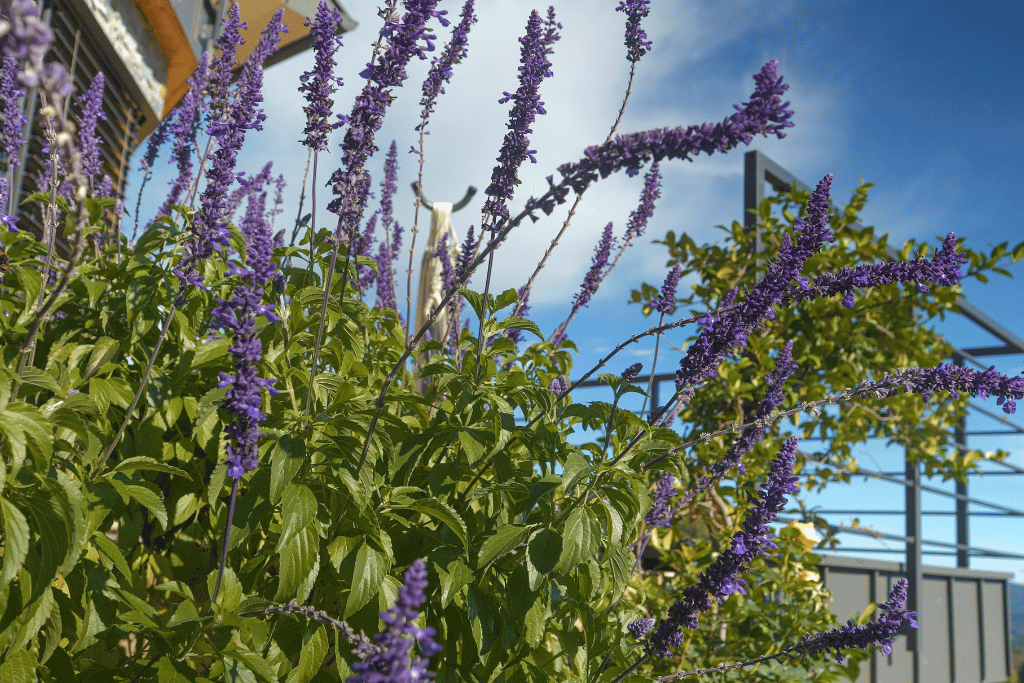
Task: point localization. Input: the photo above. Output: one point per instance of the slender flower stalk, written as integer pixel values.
(184, 128)
(665, 305)
(319, 84)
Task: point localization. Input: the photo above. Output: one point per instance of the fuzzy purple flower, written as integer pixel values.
(954, 379)
(725, 332)
(11, 130)
(637, 44)
(350, 183)
(210, 225)
(660, 513)
(651, 192)
(9, 222)
(91, 104)
(944, 268)
(521, 310)
(25, 36)
(223, 65)
(385, 279)
(591, 281)
(639, 628)
(535, 67)
(389, 661)
(558, 386)
(721, 578)
(237, 316)
(441, 67)
(666, 303)
(765, 114)
(319, 84)
(881, 631)
(632, 372)
(184, 127)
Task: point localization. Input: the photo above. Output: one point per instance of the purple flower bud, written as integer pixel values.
(91, 104)
(639, 628)
(441, 67)
(11, 130)
(558, 386)
(632, 372)
(666, 303)
(660, 513)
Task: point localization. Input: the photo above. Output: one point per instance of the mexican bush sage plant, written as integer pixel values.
(221, 462)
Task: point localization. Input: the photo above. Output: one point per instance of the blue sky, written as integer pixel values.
(922, 99)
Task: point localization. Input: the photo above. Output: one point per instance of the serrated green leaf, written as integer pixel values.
(40, 378)
(144, 495)
(286, 456)
(314, 649)
(545, 549)
(504, 539)
(16, 540)
(445, 514)
(141, 462)
(104, 349)
(109, 549)
(579, 540)
(230, 589)
(369, 570)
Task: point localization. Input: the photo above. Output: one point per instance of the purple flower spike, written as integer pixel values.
(319, 84)
(636, 44)
(223, 65)
(882, 631)
(210, 225)
(24, 36)
(666, 303)
(651, 192)
(12, 127)
(184, 127)
(765, 114)
(385, 279)
(725, 332)
(403, 39)
(389, 662)
(954, 379)
(91, 104)
(558, 386)
(237, 316)
(536, 46)
(639, 628)
(660, 513)
(721, 578)
(441, 67)
(593, 278)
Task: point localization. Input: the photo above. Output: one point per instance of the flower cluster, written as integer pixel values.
(591, 281)
(954, 379)
(92, 112)
(12, 137)
(441, 67)
(237, 315)
(660, 513)
(725, 332)
(632, 372)
(319, 84)
(350, 183)
(721, 578)
(666, 303)
(389, 662)
(535, 67)
(637, 44)
(765, 114)
(878, 632)
(210, 225)
(184, 126)
(944, 268)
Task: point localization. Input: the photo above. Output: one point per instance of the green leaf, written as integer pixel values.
(103, 350)
(110, 550)
(144, 493)
(230, 589)
(311, 657)
(286, 456)
(445, 514)
(514, 322)
(368, 572)
(540, 489)
(579, 540)
(140, 462)
(16, 540)
(19, 667)
(454, 574)
(576, 467)
(504, 539)
(170, 671)
(298, 544)
(545, 550)
(40, 378)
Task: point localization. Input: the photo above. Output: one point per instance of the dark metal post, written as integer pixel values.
(963, 554)
(913, 564)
